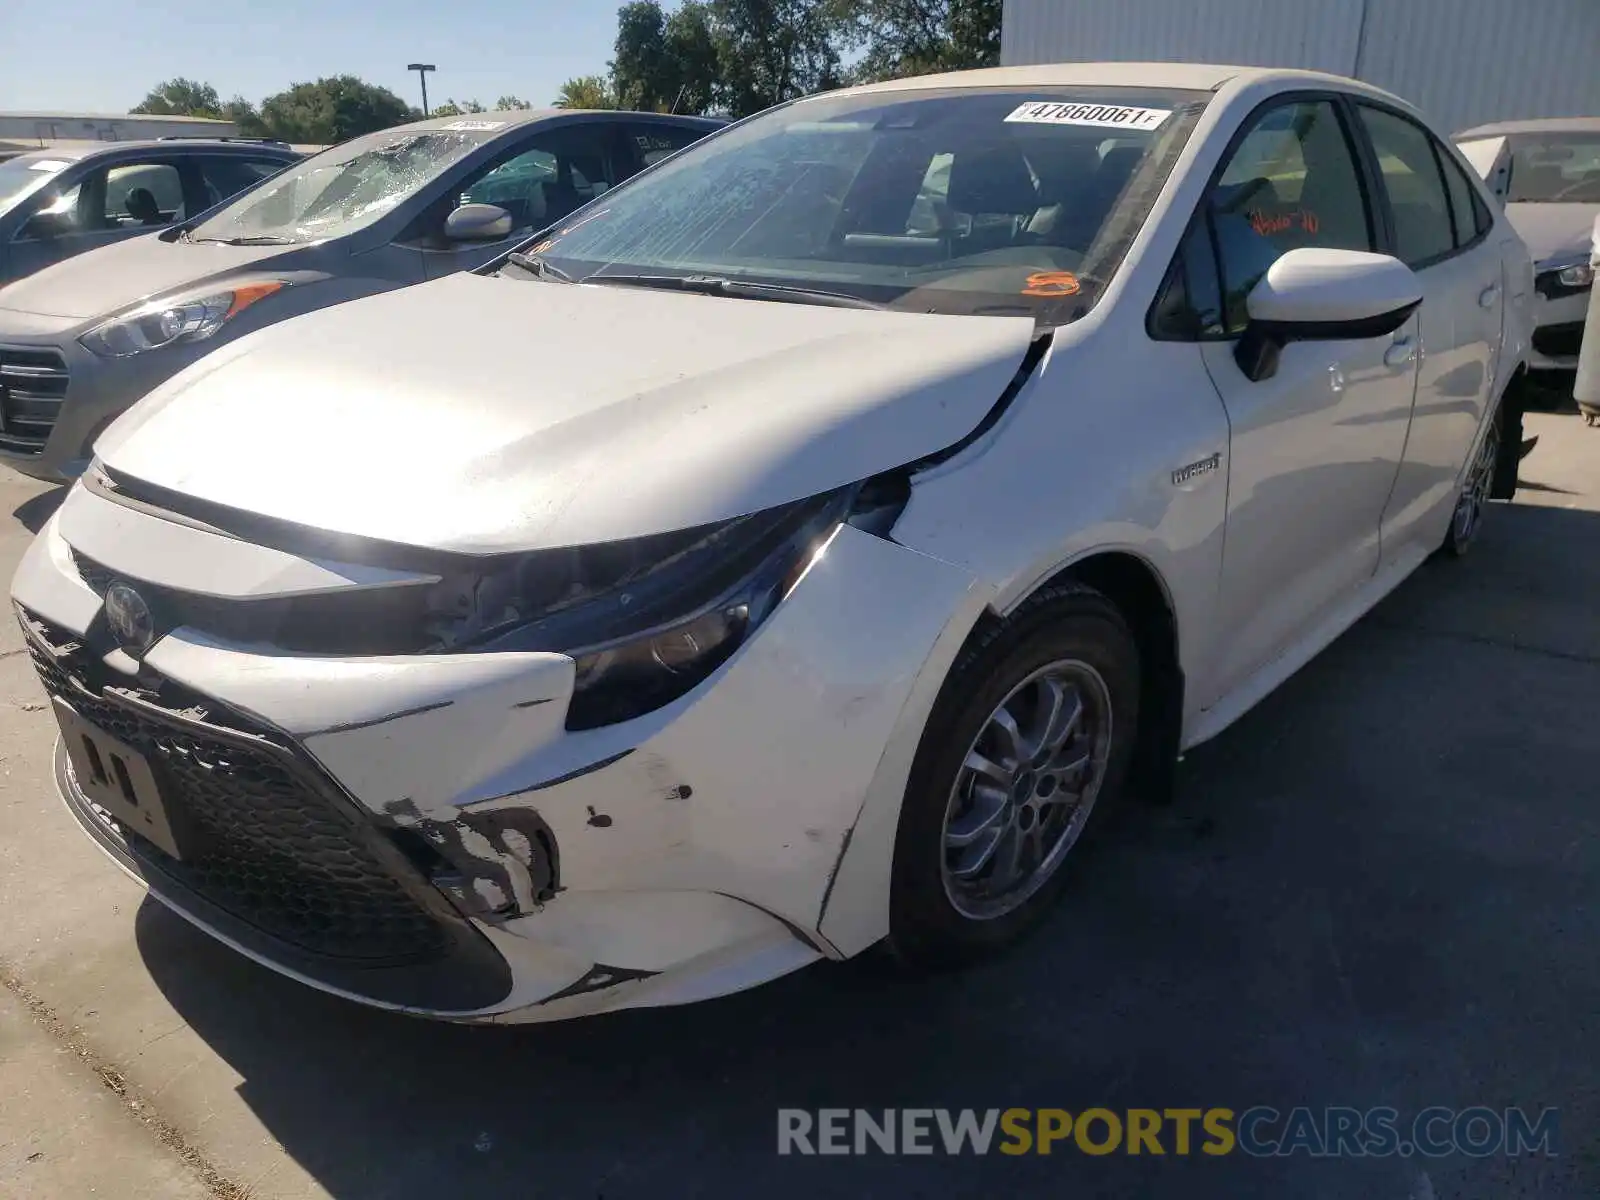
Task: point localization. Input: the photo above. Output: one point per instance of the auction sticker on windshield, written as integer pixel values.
(473, 125)
(1107, 116)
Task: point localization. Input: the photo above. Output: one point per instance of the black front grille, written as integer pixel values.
(259, 841)
(1559, 341)
(33, 383)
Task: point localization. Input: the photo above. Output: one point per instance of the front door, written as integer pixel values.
(1440, 228)
(1315, 447)
(544, 179)
(104, 205)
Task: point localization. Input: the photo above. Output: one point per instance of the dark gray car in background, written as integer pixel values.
(83, 340)
(61, 202)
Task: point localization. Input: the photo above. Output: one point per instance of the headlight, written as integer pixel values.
(645, 620)
(164, 322)
(1579, 275)
(1560, 277)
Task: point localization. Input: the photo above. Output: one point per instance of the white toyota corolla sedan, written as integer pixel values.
(792, 552)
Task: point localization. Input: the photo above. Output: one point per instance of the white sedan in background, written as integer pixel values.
(793, 551)
(1547, 173)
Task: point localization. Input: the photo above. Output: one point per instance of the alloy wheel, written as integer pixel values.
(1026, 789)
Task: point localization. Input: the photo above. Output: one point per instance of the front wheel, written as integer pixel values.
(1467, 519)
(1031, 737)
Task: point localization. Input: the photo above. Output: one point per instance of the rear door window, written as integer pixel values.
(1466, 209)
(652, 143)
(223, 176)
(1424, 231)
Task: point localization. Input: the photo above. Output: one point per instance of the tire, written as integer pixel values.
(1068, 641)
(1466, 522)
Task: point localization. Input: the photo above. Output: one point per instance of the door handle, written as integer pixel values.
(1488, 296)
(1402, 352)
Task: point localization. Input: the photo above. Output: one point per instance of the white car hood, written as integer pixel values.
(1553, 230)
(481, 414)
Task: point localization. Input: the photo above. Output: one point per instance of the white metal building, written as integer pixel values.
(38, 130)
(1463, 62)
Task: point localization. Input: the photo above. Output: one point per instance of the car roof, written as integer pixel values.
(1205, 77)
(185, 145)
(503, 119)
(1150, 76)
(1535, 125)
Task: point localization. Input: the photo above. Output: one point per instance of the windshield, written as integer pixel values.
(1559, 167)
(1004, 201)
(21, 177)
(340, 190)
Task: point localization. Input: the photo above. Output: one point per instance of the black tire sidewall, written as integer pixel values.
(1064, 623)
(1458, 547)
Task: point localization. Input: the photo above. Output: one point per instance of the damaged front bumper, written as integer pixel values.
(423, 833)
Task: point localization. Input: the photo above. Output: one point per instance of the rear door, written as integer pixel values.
(1463, 290)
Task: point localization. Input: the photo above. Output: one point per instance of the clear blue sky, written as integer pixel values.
(104, 55)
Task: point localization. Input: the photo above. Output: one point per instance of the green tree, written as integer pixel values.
(511, 104)
(775, 50)
(244, 116)
(587, 91)
(639, 70)
(333, 109)
(182, 98)
(694, 62)
(454, 108)
(676, 62)
(914, 37)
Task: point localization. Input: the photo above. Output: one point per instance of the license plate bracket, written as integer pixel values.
(118, 778)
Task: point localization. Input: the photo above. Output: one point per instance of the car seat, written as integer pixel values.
(1116, 168)
(992, 181)
(1066, 215)
(142, 207)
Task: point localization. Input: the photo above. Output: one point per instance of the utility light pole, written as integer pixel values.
(422, 70)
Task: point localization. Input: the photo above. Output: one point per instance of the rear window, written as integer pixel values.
(1555, 168)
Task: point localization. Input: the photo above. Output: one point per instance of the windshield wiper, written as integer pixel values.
(745, 289)
(257, 239)
(539, 266)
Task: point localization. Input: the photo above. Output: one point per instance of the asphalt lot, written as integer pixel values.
(1379, 888)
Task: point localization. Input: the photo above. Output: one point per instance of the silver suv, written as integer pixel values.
(58, 203)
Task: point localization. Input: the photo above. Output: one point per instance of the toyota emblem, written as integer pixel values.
(129, 616)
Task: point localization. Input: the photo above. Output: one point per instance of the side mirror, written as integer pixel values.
(478, 223)
(1312, 294)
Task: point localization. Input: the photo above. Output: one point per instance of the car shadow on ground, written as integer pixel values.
(33, 512)
(1376, 889)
